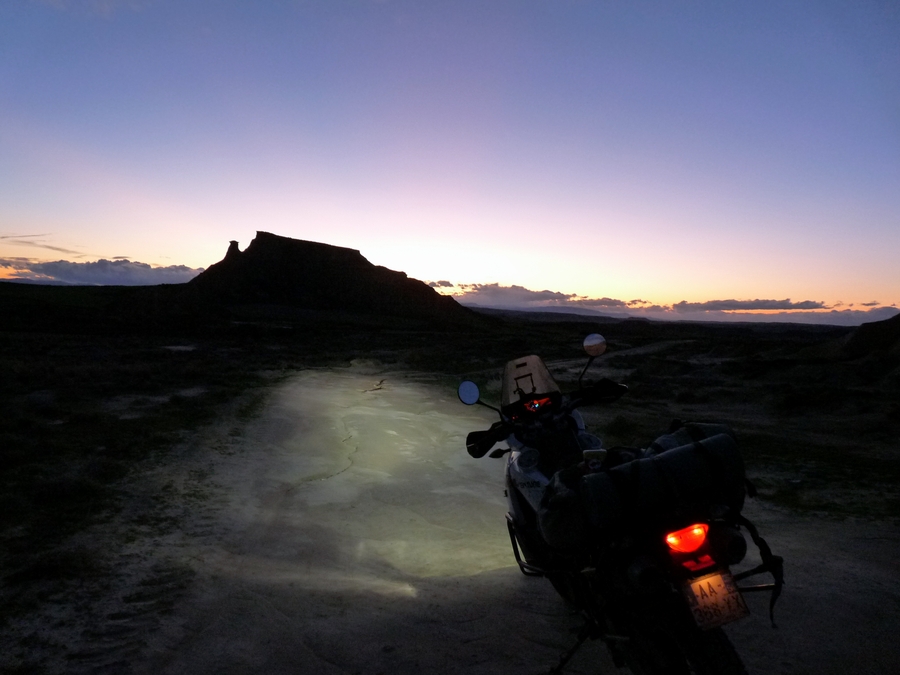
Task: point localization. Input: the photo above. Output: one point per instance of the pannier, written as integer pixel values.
(682, 476)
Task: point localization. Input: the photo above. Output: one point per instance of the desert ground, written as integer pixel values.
(342, 528)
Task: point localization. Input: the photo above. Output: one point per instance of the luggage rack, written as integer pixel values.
(773, 564)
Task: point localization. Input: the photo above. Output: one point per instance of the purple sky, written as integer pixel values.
(667, 152)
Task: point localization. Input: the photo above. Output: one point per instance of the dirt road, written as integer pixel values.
(346, 530)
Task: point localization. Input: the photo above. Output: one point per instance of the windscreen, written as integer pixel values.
(526, 378)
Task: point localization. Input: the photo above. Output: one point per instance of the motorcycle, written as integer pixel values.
(640, 541)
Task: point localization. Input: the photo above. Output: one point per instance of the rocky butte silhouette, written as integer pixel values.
(275, 274)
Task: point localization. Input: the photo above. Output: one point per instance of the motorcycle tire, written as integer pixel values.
(566, 586)
(711, 653)
(693, 651)
(653, 653)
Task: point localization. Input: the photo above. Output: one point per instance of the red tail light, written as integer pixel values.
(689, 539)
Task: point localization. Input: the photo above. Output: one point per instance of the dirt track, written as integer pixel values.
(347, 531)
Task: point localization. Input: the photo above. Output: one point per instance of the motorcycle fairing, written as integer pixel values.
(524, 475)
(527, 378)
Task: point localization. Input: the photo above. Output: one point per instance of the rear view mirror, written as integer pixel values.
(468, 392)
(594, 344)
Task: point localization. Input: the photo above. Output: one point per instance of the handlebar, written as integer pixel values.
(478, 443)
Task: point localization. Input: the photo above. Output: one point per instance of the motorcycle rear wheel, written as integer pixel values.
(691, 651)
(711, 653)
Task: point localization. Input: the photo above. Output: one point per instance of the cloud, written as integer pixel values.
(99, 273)
(805, 311)
(597, 303)
(440, 284)
(835, 317)
(101, 7)
(874, 303)
(746, 305)
(518, 296)
(504, 296)
(32, 241)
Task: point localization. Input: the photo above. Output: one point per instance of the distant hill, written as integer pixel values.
(553, 316)
(878, 336)
(275, 273)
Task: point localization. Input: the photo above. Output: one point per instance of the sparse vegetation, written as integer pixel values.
(80, 415)
(77, 413)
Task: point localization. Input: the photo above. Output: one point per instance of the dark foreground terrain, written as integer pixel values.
(86, 415)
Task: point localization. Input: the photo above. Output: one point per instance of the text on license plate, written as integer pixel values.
(715, 600)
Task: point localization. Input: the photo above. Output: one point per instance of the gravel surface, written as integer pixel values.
(346, 530)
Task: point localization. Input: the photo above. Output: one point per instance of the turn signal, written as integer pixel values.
(689, 539)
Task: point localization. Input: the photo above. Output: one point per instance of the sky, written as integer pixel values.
(696, 159)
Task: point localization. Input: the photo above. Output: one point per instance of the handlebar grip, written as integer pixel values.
(478, 443)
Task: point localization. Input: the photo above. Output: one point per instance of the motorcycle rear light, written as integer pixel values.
(689, 539)
(702, 563)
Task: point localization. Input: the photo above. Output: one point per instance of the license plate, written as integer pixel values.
(715, 600)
